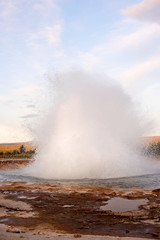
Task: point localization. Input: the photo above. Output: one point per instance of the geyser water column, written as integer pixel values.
(89, 132)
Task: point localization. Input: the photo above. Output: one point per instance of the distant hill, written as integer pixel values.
(9, 147)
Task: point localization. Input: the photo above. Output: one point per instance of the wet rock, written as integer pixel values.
(156, 191)
(155, 234)
(12, 230)
(16, 205)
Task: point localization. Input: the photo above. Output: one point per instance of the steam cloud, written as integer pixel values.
(90, 132)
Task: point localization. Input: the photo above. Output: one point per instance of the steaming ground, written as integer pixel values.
(90, 132)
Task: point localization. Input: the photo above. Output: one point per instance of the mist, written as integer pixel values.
(91, 130)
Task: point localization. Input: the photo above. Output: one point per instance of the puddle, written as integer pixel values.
(26, 197)
(22, 197)
(3, 220)
(118, 204)
(67, 206)
(10, 192)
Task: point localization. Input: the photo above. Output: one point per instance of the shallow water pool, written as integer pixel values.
(150, 181)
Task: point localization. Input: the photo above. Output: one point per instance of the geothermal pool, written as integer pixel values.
(149, 181)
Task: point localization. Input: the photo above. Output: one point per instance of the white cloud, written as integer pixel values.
(48, 35)
(46, 7)
(147, 10)
(46, 47)
(127, 41)
(7, 8)
(127, 56)
(52, 34)
(139, 72)
(43, 4)
(131, 55)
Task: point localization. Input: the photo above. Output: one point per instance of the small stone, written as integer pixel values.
(16, 231)
(77, 235)
(127, 231)
(13, 230)
(155, 234)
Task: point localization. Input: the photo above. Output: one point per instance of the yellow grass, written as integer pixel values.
(15, 146)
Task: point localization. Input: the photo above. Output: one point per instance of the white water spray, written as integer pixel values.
(89, 132)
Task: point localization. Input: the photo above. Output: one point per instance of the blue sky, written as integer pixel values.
(119, 38)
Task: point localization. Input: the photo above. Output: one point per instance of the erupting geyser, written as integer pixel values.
(90, 132)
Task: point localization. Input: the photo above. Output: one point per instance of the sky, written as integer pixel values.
(38, 38)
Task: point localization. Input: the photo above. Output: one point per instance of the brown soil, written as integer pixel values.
(76, 209)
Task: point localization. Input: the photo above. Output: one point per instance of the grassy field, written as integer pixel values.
(13, 150)
(9, 147)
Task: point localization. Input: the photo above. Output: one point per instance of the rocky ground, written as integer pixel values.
(7, 164)
(63, 211)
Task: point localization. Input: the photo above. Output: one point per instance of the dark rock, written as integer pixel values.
(155, 234)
